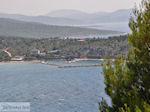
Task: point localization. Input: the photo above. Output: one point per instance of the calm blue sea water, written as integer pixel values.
(52, 89)
(120, 26)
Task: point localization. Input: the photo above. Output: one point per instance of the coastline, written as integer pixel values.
(42, 62)
(19, 62)
(83, 59)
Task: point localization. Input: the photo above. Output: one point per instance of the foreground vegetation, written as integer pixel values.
(127, 79)
(55, 48)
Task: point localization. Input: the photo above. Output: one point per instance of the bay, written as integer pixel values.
(52, 89)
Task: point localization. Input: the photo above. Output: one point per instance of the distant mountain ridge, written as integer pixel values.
(41, 19)
(15, 28)
(68, 13)
(116, 16)
(74, 17)
(65, 12)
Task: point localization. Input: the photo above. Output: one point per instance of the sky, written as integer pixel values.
(40, 7)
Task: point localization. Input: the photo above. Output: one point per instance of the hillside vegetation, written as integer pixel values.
(65, 48)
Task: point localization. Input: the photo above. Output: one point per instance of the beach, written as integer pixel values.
(41, 61)
(19, 62)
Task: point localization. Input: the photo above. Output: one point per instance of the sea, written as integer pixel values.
(52, 89)
(121, 27)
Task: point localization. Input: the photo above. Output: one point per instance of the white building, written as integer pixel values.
(17, 58)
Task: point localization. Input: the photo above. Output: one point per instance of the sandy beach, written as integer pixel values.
(43, 62)
(83, 59)
(19, 62)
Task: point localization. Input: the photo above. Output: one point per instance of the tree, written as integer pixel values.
(127, 78)
(4, 56)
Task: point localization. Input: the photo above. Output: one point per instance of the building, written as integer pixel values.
(35, 52)
(17, 58)
(81, 40)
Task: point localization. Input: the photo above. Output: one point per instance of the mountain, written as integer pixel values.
(122, 15)
(41, 19)
(68, 13)
(74, 17)
(10, 27)
(93, 18)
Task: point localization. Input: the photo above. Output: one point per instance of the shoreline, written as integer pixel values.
(42, 62)
(20, 62)
(83, 59)
(57, 65)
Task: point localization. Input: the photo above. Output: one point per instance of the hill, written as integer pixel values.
(74, 17)
(9, 27)
(41, 19)
(55, 48)
(121, 15)
(68, 13)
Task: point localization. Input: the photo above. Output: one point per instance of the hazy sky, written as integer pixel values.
(39, 7)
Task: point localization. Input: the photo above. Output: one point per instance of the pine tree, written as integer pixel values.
(127, 78)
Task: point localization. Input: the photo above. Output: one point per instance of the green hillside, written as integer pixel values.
(65, 48)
